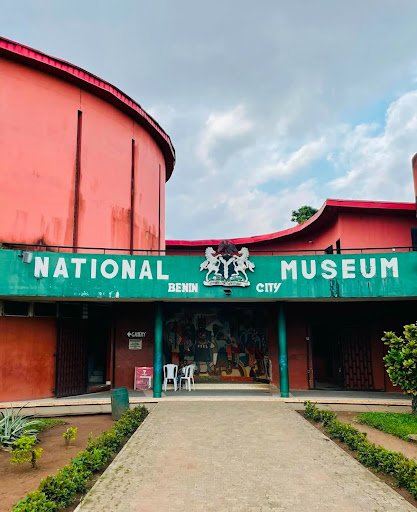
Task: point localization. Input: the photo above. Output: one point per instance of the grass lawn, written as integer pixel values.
(399, 425)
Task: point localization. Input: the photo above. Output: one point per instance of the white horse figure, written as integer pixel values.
(211, 264)
(241, 263)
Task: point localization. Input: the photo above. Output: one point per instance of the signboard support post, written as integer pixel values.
(157, 352)
(282, 347)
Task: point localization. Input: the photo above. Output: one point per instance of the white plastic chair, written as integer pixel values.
(188, 377)
(170, 373)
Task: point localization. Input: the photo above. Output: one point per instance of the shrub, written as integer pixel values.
(402, 469)
(401, 361)
(61, 489)
(13, 427)
(24, 451)
(69, 434)
(35, 502)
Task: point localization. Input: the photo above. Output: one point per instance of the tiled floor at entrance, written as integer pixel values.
(236, 456)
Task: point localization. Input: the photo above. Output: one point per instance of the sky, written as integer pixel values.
(270, 105)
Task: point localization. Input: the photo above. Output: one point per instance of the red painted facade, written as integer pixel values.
(84, 165)
(77, 168)
(27, 356)
(357, 224)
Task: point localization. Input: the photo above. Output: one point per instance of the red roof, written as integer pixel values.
(96, 86)
(329, 206)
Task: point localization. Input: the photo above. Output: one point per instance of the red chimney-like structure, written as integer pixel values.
(414, 165)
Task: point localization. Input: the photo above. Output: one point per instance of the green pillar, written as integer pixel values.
(282, 347)
(157, 352)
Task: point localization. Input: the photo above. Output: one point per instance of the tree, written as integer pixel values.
(401, 361)
(302, 214)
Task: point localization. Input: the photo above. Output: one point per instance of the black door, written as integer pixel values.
(71, 364)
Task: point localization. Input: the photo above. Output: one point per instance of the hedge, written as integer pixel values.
(402, 469)
(58, 492)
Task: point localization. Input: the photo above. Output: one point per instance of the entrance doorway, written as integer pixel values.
(82, 348)
(226, 342)
(342, 357)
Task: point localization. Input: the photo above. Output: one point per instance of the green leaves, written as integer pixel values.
(13, 427)
(58, 492)
(401, 360)
(35, 502)
(395, 464)
(24, 451)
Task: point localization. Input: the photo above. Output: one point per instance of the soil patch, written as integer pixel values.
(17, 481)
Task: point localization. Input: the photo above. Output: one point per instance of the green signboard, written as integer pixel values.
(207, 277)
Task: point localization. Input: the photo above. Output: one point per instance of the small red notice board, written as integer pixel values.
(143, 377)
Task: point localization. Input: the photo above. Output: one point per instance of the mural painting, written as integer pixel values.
(224, 342)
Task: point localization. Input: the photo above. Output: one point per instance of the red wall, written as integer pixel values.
(38, 126)
(136, 316)
(377, 229)
(27, 348)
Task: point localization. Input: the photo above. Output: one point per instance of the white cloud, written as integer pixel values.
(222, 126)
(366, 161)
(378, 166)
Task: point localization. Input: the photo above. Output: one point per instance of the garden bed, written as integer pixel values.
(18, 481)
(387, 441)
(390, 458)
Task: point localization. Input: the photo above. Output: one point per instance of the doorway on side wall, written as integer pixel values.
(341, 357)
(84, 331)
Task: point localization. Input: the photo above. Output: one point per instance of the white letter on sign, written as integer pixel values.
(61, 268)
(41, 267)
(159, 274)
(392, 264)
(109, 275)
(78, 262)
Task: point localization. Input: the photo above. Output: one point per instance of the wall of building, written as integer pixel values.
(38, 144)
(376, 228)
(27, 355)
(136, 316)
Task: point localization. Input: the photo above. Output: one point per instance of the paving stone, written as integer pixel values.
(236, 456)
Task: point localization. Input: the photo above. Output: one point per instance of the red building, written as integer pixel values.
(82, 186)
(326, 338)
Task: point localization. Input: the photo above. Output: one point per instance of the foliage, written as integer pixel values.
(35, 502)
(24, 451)
(46, 423)
(395, 423)
(302, 214)
(403, 470)
(401, 361)
(13, 427)
(61, 489)
(69, 434)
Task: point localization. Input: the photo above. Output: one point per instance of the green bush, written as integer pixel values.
(24, 451)
(69, 434)
(402, 469)
(61, 489)
(13, 427)
(35, 502)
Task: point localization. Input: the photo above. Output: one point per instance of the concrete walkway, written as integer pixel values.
(235, 456)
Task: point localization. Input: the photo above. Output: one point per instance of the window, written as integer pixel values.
(44, 309)
(16, 308)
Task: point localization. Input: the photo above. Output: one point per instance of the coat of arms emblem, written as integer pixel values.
(227, 266)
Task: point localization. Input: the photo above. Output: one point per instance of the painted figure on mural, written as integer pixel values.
(188, 332)
(203, 351)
